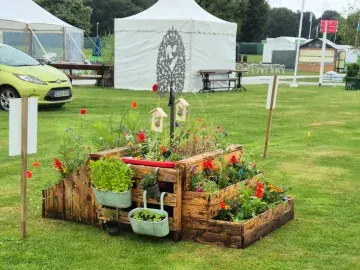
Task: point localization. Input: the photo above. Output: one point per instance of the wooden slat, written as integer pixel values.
(169, 200)
(217, 226)
(111, 152)
(178, 207)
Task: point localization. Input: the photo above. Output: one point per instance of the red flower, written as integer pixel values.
(155, 87)
(163, 149)
(36, 164)
(141, 137)
(28, 174)
(222, 205)
(83, 111)
(260, 190)
(254, 166)
(208, 164)
(134, 105)
(233, 160)
(58, 164)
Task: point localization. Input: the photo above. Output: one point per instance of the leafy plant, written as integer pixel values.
(352, 70)
(111, 174)
(149, 180)
(72, 154)
(252, 202)
(148, 215)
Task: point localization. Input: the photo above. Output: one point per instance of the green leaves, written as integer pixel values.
(111, 174)
(148, 215)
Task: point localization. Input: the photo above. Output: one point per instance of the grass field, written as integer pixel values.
(322, 171)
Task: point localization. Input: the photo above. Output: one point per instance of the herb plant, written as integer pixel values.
(148, 215)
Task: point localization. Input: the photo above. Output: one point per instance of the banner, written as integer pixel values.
(332, 26)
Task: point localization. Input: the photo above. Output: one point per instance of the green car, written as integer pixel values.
(22, 75)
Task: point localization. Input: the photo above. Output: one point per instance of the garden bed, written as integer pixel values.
(237, 235)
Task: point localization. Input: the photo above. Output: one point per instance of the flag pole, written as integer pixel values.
(294, 83)
(322, 66)
(311, 16)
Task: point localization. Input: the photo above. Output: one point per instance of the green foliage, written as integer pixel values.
(252, 202)
(108, 49)
(148, 215)
(111, 174)
(348, 29)
(149, 180)
(73, 12)
(353, 70)
(283, 22)
(72, 152)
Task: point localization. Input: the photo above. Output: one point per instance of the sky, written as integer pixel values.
(317, 6)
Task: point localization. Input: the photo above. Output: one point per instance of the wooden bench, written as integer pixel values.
(207, 81)
(100, 70)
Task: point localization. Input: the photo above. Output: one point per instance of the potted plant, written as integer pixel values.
(150, 184)
(153, 222)
(112, 223)
(111, 181)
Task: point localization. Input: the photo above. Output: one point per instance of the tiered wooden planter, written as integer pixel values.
(237, 235)
(191, 213)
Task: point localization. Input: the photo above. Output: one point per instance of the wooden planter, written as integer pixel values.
(203, 206)
(237, 235)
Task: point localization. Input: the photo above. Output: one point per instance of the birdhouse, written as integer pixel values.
(157, 123)
(181, 106)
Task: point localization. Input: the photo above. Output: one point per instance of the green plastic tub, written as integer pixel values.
(112, 199)
(157, 229)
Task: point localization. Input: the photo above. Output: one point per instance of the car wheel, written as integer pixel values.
(7, 93)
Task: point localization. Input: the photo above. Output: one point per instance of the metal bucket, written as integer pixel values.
(157, 229)
(112, 199)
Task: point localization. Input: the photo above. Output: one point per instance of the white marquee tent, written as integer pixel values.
(210, 43)
(45, 32)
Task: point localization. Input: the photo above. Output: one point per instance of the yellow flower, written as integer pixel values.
(309, 134)
(272, 188)
(138, 157)
(130, 143)
(279, 190)
(227, 207)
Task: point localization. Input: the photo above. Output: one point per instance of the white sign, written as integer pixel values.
(15, 126)
(268, 101)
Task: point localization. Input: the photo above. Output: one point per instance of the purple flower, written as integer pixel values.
(199, 189)
(177, 124)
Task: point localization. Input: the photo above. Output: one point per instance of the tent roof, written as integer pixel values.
(331, 44)
(13, 12)
(176, 10)
(183, 15)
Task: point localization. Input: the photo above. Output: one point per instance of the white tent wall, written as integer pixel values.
(209, 43)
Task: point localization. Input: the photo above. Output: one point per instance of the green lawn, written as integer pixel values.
(323, 173)
(254, 58)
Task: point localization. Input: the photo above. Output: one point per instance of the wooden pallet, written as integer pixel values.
(201, 205)
(237, 235)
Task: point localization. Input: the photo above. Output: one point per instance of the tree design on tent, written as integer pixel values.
(171, 63)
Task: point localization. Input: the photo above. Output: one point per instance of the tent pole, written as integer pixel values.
(64, 43)
(77, 46)
(26, 38)
(38, 41)
(31, 44)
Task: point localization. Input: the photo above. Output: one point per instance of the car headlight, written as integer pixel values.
(30, 79)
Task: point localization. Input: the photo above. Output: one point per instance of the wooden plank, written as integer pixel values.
(115, 151)
(164, 174)
(216, 226)
(169, 200)
(178, 207)
(69, 199)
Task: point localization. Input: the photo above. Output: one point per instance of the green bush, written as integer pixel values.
(353, 70)
(111, 174)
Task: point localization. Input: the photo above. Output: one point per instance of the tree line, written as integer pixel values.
(256, 20)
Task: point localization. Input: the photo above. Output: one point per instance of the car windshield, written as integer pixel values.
(13, 57)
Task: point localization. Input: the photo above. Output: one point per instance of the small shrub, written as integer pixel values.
(352, 70)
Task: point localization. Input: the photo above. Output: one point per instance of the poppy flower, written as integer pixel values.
(134, 105)
(222, 205)
(208, 164)
(233, 160)
(260, 190)
(28, 174)
(58, 164)
(163, 149)
(155, 87)
(36, 164)
(83, 111)
(141, 137)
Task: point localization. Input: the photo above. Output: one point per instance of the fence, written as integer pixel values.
(251, 48)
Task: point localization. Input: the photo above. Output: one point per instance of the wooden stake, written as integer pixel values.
(270, 116)
(24, 142)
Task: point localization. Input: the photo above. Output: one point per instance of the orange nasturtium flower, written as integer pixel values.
(36, 164)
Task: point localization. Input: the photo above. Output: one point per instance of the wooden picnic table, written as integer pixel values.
(100, 70)
(205, 73)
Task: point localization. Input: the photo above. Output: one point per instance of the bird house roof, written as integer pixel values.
(183, 102)
(159, 111)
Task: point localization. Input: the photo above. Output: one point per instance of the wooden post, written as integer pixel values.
(270, 116)
(172, 113)
(24, 142)
(64, 43)
(26, 38)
